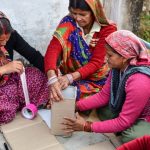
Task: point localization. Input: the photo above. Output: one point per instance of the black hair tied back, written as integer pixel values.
(79, 4)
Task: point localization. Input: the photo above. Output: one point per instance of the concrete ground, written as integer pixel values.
(83, 140)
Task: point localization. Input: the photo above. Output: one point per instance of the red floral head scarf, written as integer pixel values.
(98, 11)
(129, 46)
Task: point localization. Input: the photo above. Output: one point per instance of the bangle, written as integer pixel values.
(52, 80)
(87, 126)
(70, 78)
(53, 77)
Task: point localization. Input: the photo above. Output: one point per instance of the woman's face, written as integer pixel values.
(114, 60)
(4, 38)
(82, 17)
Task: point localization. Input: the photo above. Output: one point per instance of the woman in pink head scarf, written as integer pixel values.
(126, 91)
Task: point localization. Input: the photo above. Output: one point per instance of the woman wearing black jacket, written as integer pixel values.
(17, 43)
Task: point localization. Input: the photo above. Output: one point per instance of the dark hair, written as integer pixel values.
(5, 26)
(79, 4)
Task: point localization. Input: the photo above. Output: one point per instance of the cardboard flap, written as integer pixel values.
(23, 134)
(19, 123)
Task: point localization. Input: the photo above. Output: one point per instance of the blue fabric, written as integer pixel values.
(80, 49)
(118, 86)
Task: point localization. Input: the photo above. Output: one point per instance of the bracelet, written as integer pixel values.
(52, 80)
(70, 78)
(87, 126)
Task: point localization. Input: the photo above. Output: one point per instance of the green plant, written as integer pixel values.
(144, 30)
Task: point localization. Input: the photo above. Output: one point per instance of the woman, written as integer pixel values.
(126, 90)
(15, 42)
(79, 41)
(11, 92)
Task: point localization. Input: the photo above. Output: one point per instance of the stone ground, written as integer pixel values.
(79, 140)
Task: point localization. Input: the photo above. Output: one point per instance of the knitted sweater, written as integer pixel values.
(137, 101)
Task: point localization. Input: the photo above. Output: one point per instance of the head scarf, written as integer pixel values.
(129, 46)
(76, 52)
(98, 11)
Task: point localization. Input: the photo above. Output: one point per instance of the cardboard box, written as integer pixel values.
(65, 108)
(23, 134)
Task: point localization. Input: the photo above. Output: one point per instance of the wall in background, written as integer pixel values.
(35, 20)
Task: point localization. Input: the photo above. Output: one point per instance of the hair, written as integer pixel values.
(5, 26)
(79, 4)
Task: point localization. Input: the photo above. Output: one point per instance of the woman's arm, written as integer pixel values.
(50, 60)
(98, 55)
(98, 100)
(17, 43)
(52, 54)
(137, 96)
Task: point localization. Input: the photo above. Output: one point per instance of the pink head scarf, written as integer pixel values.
(129, 46)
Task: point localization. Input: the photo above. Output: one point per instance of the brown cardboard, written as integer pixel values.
(23, 134)
(59, 111)
(65, 108)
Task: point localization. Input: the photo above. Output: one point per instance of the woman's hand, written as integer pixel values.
(64, 82)
(55, 92)
(72, 125)
(93, 42)
(11, 67)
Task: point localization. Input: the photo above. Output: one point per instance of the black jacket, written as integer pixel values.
(17, 43)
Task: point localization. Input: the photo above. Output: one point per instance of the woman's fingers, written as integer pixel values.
(93, 42)
(56, 94)
(70, 119)
(15, 66)
(56, 88)
(64, 86)
(63, 80)
(69, 131)
(60, 95)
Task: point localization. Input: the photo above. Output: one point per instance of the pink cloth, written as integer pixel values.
(129, 46)
(135, 102)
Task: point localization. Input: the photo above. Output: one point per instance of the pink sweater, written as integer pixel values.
(137, 95)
